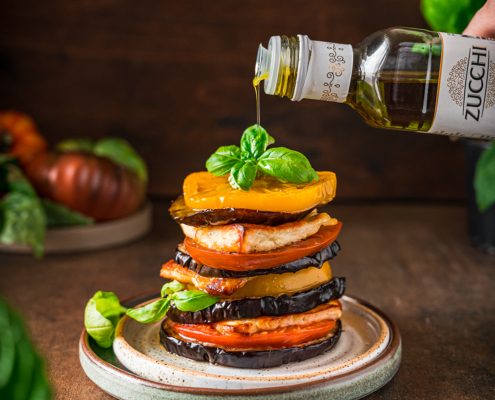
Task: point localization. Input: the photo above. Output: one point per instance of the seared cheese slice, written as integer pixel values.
(248, 238)
(324, 312)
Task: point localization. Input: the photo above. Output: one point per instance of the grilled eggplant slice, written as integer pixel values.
(262, 306)
(315, 260)
(248, 359)
(183, 214)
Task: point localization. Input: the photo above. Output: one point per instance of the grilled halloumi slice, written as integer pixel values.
(213, 286)
(329, 311)
(248, 238)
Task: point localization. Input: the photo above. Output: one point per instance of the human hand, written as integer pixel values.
(483, 22)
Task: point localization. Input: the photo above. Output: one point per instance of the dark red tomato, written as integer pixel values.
(280, 338)
(93, 185)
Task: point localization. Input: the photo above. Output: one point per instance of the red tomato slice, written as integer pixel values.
(281, 338)
(263, 260)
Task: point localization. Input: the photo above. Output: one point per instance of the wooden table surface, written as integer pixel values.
(412, 261)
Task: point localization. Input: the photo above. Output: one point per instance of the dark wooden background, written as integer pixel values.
(174, 77)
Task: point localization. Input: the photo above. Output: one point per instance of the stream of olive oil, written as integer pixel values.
(256, 84)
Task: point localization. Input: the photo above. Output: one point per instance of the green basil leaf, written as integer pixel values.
(150, 313)
(449, 16)
(58, 215)
(22, 372)
(7, 345)
(221, 161)
(287, 165)
(17, 181)
(25, 363)
(171, 287)
(193, 300)
(484, 179)
(101, 316)
(22, 221)
(254, 142)
(242, 175)
(40, 389)
(6, 158)
(77, 144)
(121, 152)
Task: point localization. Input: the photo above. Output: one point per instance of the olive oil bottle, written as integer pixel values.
(398, 78)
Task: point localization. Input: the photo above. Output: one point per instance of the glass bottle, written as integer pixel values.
(398, 78)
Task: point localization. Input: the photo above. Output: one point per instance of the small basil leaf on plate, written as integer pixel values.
(242, 175)
(58, 215)
(193, 300)
(254, 141)
(221, 161)
(484, 179)
(101, 315)
(76, 144)
(22, 221)
(152, 312)
(17, 181)
(287, 165)
(121, 152)
(171, 287)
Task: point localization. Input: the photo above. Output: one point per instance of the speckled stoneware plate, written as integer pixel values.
(366, 357)
(92, 237)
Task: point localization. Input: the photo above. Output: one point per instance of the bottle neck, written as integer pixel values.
(356, 75)
(277, 65)
(297, 68)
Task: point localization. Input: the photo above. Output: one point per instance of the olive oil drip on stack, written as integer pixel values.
(256, 84)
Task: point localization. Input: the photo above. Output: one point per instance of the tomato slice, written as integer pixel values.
(263, 260)
(281, 338)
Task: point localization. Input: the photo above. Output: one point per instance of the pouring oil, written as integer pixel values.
(256, 84)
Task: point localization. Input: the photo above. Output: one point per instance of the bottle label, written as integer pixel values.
(329, 72)
(466, 88)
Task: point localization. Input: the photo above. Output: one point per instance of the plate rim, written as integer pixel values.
(143, 217)
(393, 346)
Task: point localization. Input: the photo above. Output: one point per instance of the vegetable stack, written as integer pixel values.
(250, 286)
(255, 244)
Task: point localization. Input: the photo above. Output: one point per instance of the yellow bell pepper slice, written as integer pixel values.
(203, 190)
(288, 283)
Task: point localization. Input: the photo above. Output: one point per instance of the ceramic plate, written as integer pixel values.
(92, 237)
(366, 357)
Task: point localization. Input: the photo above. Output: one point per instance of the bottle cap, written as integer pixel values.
(268, 63)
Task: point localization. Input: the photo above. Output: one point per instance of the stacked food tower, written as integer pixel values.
(263, 253)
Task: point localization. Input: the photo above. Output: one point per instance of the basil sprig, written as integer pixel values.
(104, 310)
(253, 158)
